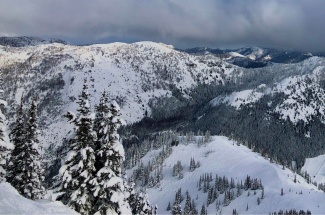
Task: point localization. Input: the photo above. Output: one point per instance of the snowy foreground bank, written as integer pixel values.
(13, 203)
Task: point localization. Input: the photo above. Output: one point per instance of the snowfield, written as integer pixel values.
(225, 158)
(237, 99)
(13, 203)
(315, 167)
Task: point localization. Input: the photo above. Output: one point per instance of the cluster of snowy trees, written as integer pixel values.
(136, 148)
(291, 212)
(91, 179)
(177, 169)
(150, 174)
(229, 188)
(321, 186)
(20, 156)
(25, 168)
(220, 190)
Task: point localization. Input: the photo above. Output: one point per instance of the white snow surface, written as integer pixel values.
(315, 167)
(267, 57)
(13, 203)
(236, 54)
(302, 100)
(236, 99)
(225, 158)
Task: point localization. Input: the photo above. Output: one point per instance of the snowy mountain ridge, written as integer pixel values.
(254, 57)
(139, 75)
(27, 41)
(135, 75)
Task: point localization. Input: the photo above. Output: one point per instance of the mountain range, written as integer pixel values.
(254, 57)
(269, 101)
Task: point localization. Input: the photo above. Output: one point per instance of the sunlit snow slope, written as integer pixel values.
(315, 167)
(226, 158)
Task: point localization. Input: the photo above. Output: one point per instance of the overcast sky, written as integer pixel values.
(296, 24)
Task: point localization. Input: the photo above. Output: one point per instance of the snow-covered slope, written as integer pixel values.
(302, 96)
(13, 203)
(135, 75)
(236, 54)
(315, 167)
(302, 100)
(253, 52)
(227, 158)
(237, 99)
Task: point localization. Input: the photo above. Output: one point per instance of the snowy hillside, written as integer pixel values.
(135, 75)
(315, 167)
(302, 96)
(13, 203)
(237, 99)
(225, 158)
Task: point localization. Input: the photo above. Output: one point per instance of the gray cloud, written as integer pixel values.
(297, 24)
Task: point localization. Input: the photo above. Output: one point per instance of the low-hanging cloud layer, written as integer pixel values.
(296, 24)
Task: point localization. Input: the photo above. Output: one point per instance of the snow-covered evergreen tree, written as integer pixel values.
(192, 164)
(169, 207)
(5, 145)
(25, 171)
(16, 161)
(132, 194)
(187, 207)
(34, 172)
(79, 167)
(203, 210)
(177, 209)
(155, 210)
(142, 205)
(108, 186)
(101, 124)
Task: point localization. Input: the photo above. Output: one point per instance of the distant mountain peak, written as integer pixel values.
(23, 41)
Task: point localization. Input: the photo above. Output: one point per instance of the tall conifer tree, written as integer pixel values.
(25, 171)
(33, 175)
(79, 167)
(5, 145)
(108, 186)
(16, 161)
